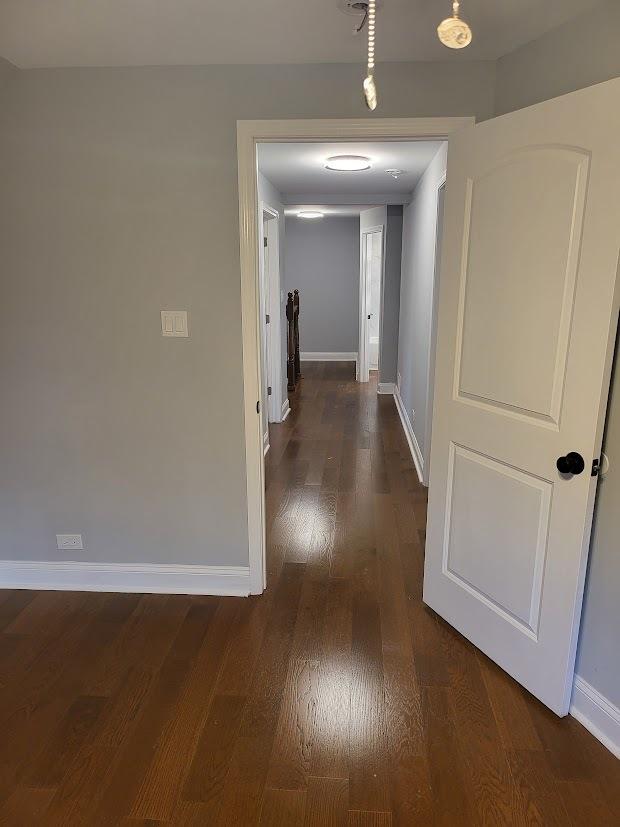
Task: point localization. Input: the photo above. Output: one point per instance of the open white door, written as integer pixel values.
(527, 321)
(371, 272)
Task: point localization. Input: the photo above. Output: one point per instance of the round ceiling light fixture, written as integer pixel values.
(347, 163)
(454, 32)
(309, 214)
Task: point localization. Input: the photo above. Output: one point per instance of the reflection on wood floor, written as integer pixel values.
(335, 698)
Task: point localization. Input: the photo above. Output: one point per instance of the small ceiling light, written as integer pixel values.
(454, 32)
(395, 173)
(310, 214)
(347, 163)
(370, 90)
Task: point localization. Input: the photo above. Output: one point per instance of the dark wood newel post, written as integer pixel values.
(296, 325)
(290, 343)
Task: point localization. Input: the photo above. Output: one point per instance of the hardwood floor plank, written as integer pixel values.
(369, 784)
(209, 768)
(330, 748)
(585, 804)
(13, 605)
(162, 784)
(52, 763)
(282, 808)
(360, 818)
(449, 782)
(540, 790)
(26, 806)
(290, 758)
(327, 802)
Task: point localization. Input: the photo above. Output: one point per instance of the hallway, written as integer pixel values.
(386, 711)
(335, 698)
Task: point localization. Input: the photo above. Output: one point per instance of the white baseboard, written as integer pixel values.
(147, 578)
(265, 443)
(330, 356)
(414, 446)
(386, 387)
(286, 409)
(598, 715)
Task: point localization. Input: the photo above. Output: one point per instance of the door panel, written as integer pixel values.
(527, 321)
(523, 258)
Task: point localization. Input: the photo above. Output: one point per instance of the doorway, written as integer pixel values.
(371, 288)
(270, 323)
(249, 135)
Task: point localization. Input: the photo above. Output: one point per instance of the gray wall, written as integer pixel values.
(584, 51)
(416, 295)
(322, 262)
(390, 309)
(578, 54)
(118, 199)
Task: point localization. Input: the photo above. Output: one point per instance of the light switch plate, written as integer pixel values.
(174, 323)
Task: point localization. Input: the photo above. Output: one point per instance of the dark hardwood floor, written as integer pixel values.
(336, 698)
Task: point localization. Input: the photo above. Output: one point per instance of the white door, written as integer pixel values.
(527, 321)
(374, 298)
(370, 304)
(265, 304)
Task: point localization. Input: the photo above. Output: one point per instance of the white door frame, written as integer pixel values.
(363, 362)
(432, 349)
(249, 134)
(271, 230)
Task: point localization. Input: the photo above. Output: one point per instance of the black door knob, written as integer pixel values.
(572, 463)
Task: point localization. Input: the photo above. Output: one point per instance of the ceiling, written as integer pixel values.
(298, 171)
(37, 33)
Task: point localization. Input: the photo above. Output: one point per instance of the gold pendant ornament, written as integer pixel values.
(454, 32)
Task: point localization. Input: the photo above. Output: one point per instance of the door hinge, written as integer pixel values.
(596, 467)
(265, 241)
(269, 391)
(258, 407)
(267, 318)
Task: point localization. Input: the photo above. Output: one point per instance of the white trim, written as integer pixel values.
(286, 409)
(332, 356)
(266, 445)
(147, 578)
(432, 333)
(249, 134)
(414, 446)
(386, 387)
(598, 715)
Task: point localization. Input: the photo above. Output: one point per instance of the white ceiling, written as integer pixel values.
(298, 171)
(182, 32)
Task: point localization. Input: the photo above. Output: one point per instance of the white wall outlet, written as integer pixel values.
(174, 323)
(69, 541)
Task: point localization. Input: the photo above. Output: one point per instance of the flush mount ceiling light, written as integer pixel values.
(395, 173)
(347, 163)
(309, 214)
(454, 32)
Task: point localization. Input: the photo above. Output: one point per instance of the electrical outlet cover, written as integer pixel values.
(69, 541)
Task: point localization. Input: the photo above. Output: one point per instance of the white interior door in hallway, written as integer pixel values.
(528, 309)
(370, 304)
